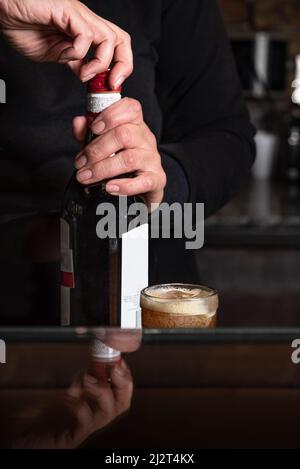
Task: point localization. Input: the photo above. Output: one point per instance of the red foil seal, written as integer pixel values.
(100, 84)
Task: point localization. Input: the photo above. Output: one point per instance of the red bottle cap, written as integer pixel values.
(100, 84)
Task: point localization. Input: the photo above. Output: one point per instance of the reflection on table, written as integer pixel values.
(173, 389)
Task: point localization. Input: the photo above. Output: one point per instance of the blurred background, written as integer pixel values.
(252, 246)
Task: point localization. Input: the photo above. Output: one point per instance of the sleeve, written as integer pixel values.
(207, 141)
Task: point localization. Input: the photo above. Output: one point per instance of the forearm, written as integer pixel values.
(215, 164)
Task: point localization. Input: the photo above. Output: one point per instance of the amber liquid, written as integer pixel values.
(162, 320)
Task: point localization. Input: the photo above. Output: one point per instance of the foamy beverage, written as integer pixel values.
(179, 306)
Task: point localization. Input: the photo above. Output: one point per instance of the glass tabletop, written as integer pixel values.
(114, 388)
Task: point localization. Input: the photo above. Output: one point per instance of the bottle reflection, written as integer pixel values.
(98, 396)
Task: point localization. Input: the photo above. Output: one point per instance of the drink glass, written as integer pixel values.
(177, 305)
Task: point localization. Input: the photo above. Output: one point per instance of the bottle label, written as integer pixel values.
(135, 268)
(67, 272)
(97, 102)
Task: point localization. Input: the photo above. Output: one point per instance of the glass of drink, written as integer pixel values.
(179, 306)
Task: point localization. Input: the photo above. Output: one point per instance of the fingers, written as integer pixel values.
(124, 162)
(125, 111)
(122, 386)
(79, 48)
(112, 45)
(123, 56)
(123, 137)
(110, 399)
(143, 184)
(79, 127)
(101, 61)
(123, 62)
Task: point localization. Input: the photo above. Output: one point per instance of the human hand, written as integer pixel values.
(121, 130)
(74, 415)
(63, 31)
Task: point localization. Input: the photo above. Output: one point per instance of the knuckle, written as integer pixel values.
(89, 34)
(126, 37)
(127, 100)
(92, 152)
(148, 183)
(123, 135)
(137, 107)
(111, 36)
(98, 171)
(128, 160)
(134, 105)
(111, 120)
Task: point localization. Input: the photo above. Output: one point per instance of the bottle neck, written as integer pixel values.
(98, 102)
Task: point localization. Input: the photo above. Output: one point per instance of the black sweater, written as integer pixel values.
(186, 81)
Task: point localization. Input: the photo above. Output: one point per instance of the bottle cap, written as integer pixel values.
(101, 351)
(100, 84)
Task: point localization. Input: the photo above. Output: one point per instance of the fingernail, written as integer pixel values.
(84, 175)
(80, 162)
(113, 190)
(98, 127)
(119, 82)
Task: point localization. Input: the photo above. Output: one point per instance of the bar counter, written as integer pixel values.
(187, 389)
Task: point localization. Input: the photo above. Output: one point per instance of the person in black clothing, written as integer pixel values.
(184, 79)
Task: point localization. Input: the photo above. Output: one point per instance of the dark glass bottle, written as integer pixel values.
(101, 278)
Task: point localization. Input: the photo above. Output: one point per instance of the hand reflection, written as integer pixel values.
(88, 405)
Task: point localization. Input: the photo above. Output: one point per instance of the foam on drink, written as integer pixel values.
(180, 300)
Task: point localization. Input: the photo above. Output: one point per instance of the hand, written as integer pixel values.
(86, 407)
(63, 31)
(121, 130)
(94, 405)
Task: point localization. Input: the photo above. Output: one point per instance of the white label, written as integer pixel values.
(64, 234)
(97, 102)
(66, 254)
(66, 268)
(135, 250)
(65, 306)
